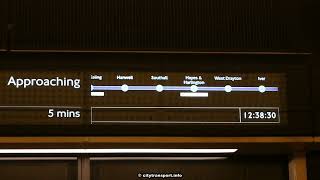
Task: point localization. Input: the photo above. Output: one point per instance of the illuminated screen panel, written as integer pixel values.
(98, 98)
(41, 98)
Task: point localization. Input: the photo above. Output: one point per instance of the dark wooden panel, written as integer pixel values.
(221, 169)
(114, 170)
(316, 90)
(38, 170)
(3, 23)
(315, 29)
(222, 25)
(313, 163)
(267, 170)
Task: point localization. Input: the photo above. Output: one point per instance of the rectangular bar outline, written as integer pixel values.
(277, 108)
(194, 94)
(176, 122)
(97, 94)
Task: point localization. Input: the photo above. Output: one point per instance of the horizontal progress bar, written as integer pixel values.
(227, 121)
(182, 88)
(194, 94)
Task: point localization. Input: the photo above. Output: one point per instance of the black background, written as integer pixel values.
(292, 27)
(216, 26)
(297, 68)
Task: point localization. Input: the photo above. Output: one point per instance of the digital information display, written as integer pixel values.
(98, 98)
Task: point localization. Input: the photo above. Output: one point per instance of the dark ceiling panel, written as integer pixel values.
(220, 25)
(3, 24)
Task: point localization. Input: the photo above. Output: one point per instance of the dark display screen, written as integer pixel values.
(100, 98)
